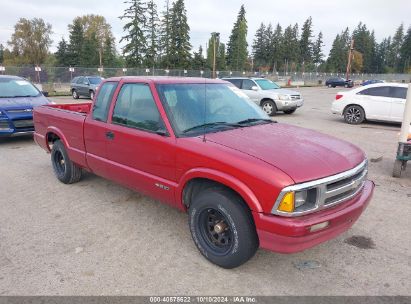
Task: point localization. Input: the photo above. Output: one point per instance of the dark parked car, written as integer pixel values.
(18, 97)
(371, 81)
(339, 82)
(85, 86)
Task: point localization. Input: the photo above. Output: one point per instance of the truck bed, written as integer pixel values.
(66, 121)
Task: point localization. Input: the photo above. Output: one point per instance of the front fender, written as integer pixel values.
(230, 181)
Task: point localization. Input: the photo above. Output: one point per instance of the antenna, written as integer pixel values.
(205, 109)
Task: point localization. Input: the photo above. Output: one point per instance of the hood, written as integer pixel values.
(283, 91)
(23, 102)
(301, 153)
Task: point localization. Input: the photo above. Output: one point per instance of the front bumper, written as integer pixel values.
(288, 235)
(284, 105)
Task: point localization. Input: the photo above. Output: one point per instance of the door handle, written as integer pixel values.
(110, 135)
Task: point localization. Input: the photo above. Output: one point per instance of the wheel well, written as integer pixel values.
(196, 185)
(353, 104)
(51, 138)
(266, 99)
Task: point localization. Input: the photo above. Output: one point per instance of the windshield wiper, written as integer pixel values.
(251, 120)
(213, 124)
(21, 96)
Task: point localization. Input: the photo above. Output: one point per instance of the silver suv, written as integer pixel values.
(85, 86)
(267, 94)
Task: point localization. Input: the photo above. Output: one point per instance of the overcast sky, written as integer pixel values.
(206, 16)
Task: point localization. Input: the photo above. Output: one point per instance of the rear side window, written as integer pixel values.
(378, 91)
(136, 108)
(80, 80)
(236, 82)
(102, 104)
(74, 80)
(248, 84)
(397, 92)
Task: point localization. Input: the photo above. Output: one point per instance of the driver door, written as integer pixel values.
(247, 87)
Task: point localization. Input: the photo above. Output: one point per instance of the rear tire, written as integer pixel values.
(65, 170)
(92, 95)
(354, 115)
(269, 107)
(75, 94)
(222, 227)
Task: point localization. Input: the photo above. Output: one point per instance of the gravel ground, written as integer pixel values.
(98, 238)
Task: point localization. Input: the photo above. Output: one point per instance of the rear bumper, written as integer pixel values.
(288, 235)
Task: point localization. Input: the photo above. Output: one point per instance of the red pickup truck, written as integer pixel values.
(202, 146)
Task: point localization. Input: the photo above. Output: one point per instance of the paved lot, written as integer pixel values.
(98, 238)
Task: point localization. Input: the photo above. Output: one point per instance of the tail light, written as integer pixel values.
(338, 96)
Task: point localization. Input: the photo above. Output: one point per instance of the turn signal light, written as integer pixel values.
(287, 203)
(338, 96)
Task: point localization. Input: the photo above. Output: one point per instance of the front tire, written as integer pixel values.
(222, 227)
(269, 107)
(75, 94)
(65, 170)
(354, 115)
(290, 111)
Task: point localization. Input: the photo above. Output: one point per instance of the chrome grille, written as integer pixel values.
(330, 190)
(20, 111)
(24, 123)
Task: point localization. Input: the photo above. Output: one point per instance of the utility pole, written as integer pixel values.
(215, 36)
(350, 53)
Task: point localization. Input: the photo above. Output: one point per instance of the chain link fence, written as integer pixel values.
(59, 78)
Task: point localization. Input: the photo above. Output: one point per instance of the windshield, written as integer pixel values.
(226, 108)
(267, 84)
(95, 80)
(11, 87)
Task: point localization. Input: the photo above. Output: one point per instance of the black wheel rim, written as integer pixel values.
(59, 162)
(216, 231)
(353, 115)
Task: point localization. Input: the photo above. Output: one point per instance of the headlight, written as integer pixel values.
(284, 97)
(298, 201)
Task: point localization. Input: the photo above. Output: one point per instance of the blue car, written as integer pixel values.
(371, 81)
(18, 97)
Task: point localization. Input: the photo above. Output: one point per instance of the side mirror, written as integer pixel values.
(45, 93)
(162, 132)
(254, 88)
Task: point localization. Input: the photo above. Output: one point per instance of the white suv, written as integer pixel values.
(380, 101)
(268, 95)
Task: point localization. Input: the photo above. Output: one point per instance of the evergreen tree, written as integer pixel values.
(1, 53)
(317, 49)
(364, 42)
(337, 59)
(276, 48)
(214, 39)
(395, 47)
(180, 47)
(260, 46)
(221, 58)
(237, 45)
(164, 39)
(76, 41)
(89, 52)
(306, 45)
(291, 51)
(152, 33)
(135, 49)
(62, 54)
(405, 53)
(109, 51)
(199, 61)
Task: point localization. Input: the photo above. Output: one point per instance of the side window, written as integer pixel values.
(236, 82)
(74, 80)
(80, 80)
(378, 91)
(398, 92)
(102, 103)
(136, 108)
(248, 84)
